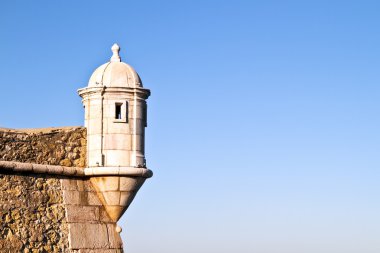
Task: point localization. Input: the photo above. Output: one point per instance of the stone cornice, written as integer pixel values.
(144, 93)
(118, 171)
(7, 166)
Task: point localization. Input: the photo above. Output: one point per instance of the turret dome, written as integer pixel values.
(115, 73)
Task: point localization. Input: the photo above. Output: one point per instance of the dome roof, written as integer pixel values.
(115, 73)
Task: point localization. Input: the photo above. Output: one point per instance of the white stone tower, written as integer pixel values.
(115, 118)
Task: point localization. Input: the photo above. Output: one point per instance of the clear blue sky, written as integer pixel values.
(263, 121)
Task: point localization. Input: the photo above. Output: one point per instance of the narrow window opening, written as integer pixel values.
(126, 111)
(118, 111)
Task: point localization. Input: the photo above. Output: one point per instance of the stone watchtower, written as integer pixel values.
(64, 189)
(115, 118)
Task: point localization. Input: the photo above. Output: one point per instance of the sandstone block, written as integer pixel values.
(82, 213)
(114, 237)
(88, 236)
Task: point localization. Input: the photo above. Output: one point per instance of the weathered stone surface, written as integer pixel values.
(114, 238)
(90, 226)
(42, 213)
(55, 146)
(36, 211)
(88, 235)
(32, 214)
(82, 213)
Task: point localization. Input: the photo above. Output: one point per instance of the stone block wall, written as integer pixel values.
(90, 228)
(51, 213)
(53, 146)
(32, 214)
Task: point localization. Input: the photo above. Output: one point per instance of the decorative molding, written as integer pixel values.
(74, 171)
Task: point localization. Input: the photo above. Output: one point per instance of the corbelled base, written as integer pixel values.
(117, 192)
(117, 186)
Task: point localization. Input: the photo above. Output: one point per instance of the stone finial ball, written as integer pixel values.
(118, 229)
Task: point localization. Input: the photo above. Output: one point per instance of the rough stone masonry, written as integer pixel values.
(51, 213)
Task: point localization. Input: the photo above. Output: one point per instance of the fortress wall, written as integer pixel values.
(51, 213)
(54, 146)
(32, 214)
(90, 228)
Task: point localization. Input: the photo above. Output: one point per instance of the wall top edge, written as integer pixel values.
(40, 130)
(18, 167)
